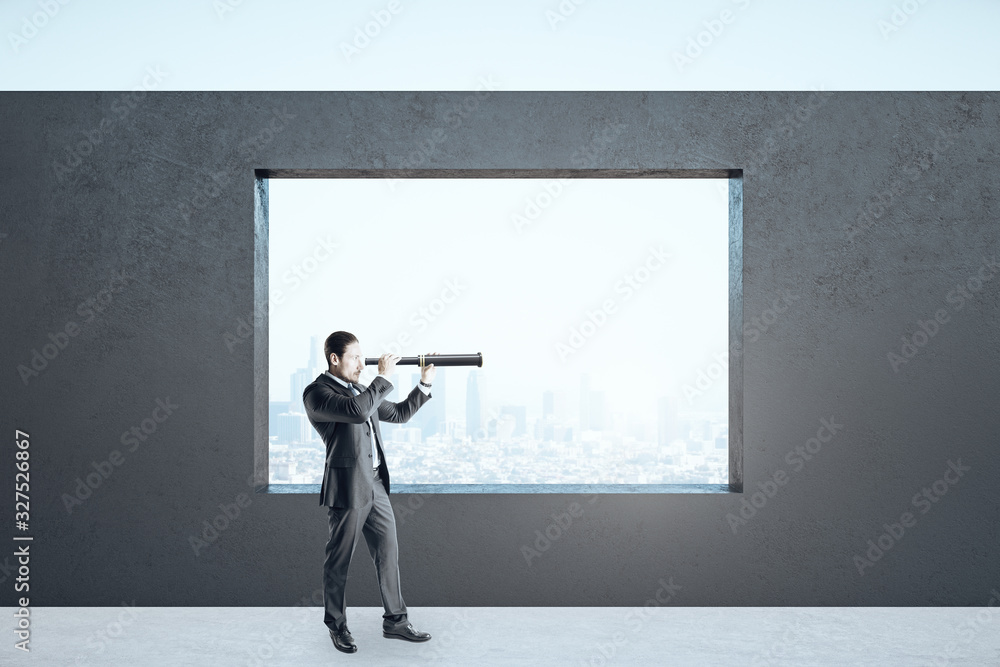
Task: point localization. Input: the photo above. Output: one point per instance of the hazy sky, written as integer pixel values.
(516, 292)
(522, 44)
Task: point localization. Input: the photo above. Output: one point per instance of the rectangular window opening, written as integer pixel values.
(607, 306)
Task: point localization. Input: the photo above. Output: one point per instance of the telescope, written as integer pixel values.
(436, 359)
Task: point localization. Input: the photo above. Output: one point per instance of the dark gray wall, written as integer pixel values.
(812, 162)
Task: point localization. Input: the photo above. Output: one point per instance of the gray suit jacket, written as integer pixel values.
(341, 419)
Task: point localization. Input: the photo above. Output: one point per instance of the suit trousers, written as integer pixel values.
(378, 525)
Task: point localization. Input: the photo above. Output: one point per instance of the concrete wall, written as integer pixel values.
(144, 208)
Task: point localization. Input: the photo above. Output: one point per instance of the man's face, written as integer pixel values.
(349, 366)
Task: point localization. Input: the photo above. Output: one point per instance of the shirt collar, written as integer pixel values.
(344, 384)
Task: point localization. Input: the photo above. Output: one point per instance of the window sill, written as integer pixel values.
(313, 489)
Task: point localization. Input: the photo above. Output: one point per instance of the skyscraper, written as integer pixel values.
(668, 428)
(316, 354)
(434, 419)
(548, 404)
(275, 408)
(592, 409)
(303, 376)
(598, 412)
(300, 380)
(293, 427)
(403, 382)
(473, 407)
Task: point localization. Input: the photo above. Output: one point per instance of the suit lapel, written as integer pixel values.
(336, 385)
(374, 418)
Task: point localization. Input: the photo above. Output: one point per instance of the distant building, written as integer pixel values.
(407, 434)
(548, 404)
(545, 429)
(303, 376)
(275, 408)
(592, 406)
(668, 427)
(294, 427)
(518, 412)
(430, 418)
(473, 407)
(505, 426)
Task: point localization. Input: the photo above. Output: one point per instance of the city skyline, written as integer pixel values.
(668, 450)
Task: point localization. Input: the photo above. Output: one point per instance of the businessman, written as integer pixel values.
(356, 479)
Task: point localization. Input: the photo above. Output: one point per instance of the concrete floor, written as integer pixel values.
(477, 636)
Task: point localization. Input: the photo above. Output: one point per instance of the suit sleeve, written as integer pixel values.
(400, 413)
(323, 404)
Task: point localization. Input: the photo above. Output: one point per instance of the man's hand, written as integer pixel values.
(387, 363)
(428, 372)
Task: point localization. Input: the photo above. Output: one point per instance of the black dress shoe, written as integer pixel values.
(343, 641)
(407, 633)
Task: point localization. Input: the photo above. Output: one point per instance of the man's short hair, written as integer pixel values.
(336, 343)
